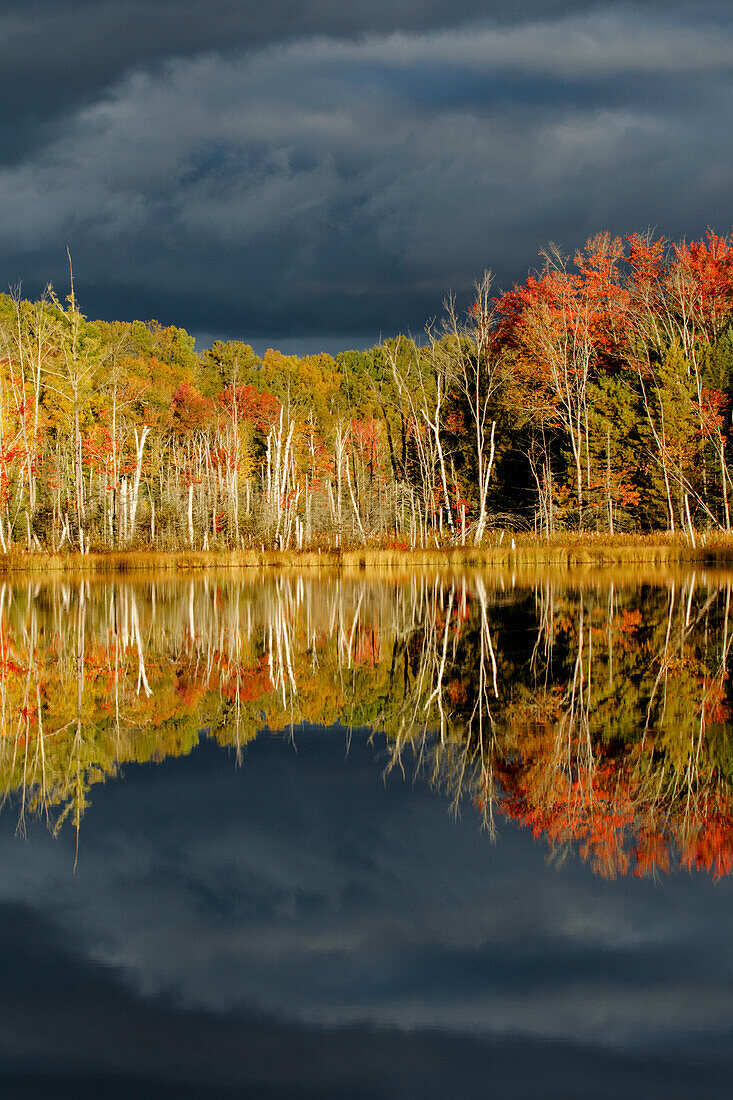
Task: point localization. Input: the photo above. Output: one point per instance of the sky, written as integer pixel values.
(301, 925)
(315, 175)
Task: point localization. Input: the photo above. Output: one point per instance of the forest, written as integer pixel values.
(594, 397)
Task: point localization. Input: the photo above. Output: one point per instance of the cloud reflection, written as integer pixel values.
(357, 905)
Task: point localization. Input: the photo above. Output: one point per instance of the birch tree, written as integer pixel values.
(468, 348)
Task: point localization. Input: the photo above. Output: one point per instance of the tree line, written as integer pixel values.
(595, 396)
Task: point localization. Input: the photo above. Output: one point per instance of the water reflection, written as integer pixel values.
(598, 714)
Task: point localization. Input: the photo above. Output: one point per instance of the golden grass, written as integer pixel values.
(525, 550)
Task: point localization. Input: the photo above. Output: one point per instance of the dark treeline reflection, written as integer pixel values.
(597, 713)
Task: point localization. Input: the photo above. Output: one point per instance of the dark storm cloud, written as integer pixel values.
(56, 56)
(324, 169)
(53, 54)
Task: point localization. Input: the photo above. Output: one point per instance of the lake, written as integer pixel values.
(367, 834)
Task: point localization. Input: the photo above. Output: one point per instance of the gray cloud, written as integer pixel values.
(55, 57)
(269, 177)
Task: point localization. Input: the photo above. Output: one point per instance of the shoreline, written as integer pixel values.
(578, 550)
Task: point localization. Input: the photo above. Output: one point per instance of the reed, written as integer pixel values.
(565, 551)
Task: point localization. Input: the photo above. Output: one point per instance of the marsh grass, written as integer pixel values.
(522, 550)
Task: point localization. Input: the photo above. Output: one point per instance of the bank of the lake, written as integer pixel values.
(500, 549)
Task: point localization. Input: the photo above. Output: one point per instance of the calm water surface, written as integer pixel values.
(373, 835)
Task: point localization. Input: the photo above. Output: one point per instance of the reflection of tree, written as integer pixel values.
(599, 716)
(645, 772)
(93, 677)
(448, 683)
